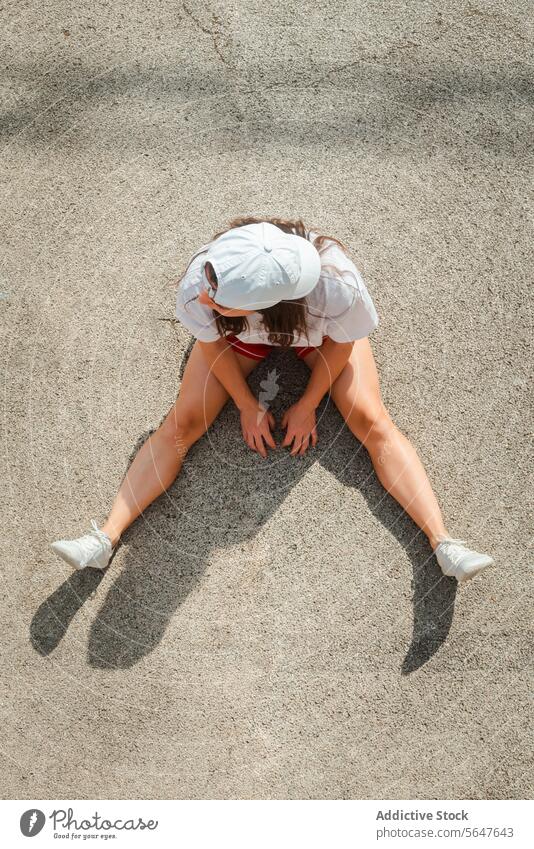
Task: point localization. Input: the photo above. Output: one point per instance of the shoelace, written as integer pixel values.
(99, 534)
(454, 555)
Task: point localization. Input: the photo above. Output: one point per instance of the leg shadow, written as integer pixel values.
(433, 593)
(51, 621)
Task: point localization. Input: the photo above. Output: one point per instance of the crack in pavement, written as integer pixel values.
(215, 31)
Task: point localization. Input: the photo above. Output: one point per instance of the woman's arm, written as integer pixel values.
(223, 363)
(256, 421)
(328, 366)
(300, 418)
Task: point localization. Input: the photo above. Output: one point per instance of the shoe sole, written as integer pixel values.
(476, 572)
(74, 563)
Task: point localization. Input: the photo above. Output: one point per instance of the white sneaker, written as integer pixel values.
(458, 561)
(93, 550)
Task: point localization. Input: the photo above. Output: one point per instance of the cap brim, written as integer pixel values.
(310, 265)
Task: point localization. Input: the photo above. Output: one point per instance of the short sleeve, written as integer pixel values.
(357, 322)
(359, 318)
(197, 317)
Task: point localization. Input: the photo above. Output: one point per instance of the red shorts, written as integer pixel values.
(258, 351)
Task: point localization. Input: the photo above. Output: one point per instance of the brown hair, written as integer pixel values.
(286, 318)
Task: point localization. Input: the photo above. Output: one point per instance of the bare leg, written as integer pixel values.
(158, 461)
(356, 393)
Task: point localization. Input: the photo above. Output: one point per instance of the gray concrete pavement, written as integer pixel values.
(279, 629)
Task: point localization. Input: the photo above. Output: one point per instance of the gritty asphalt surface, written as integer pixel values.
(277, 629)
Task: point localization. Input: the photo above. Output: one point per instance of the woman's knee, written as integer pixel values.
(371, 423)
(183, 428)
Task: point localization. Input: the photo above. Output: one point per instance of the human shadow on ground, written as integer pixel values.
(53, 617)
(223, 496)
(433, 594)
(62, 97)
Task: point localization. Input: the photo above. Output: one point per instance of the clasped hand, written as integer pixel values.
(299, 421)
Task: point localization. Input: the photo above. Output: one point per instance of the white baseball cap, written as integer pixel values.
(259, 265)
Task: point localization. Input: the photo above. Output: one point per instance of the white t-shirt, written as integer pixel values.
(340, 308)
